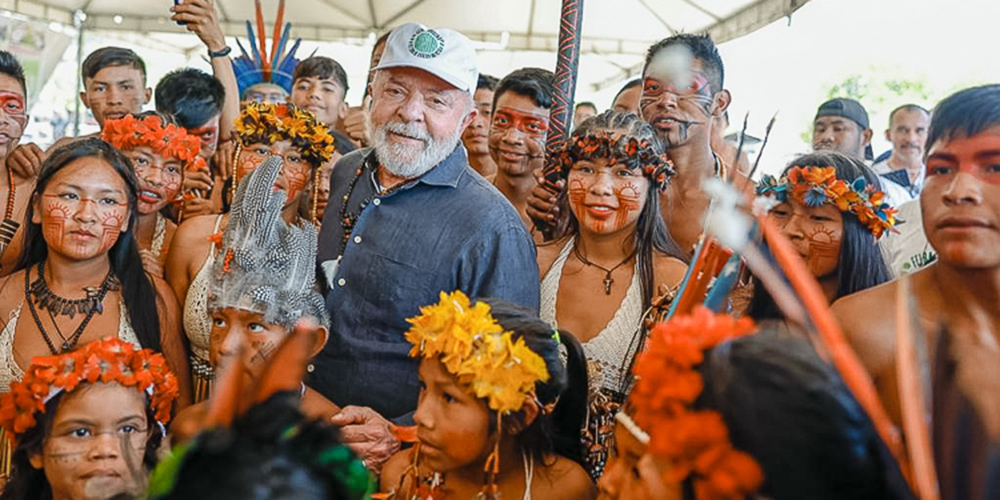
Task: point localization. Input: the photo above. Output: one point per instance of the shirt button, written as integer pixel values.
(341, 282)
(376, 202)
(357, 239)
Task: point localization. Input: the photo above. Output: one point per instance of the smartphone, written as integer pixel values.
(180, 23)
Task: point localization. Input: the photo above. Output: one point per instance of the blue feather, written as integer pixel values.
(253, 45)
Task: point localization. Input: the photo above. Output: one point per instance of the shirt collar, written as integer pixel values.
(449, 171)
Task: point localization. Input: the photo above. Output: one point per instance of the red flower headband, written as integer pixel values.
(694, 442)
(107, 360)
(617, 148)
(168, 141)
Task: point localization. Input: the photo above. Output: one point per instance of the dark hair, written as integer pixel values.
(111, 56)
(487, 82)
(533, 83)
(651, 233)
(382, 40)
(271, 453)
(323, 68)
(192, 96)
(862, 265)
(10, 66)
(558, 432)
(793, 413)
(137, 290)
(586, 104)
(29, 483)
(964, 114)
(702, 48)
(635, 82)
(907, 107)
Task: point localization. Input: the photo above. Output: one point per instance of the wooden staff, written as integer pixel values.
(561, 115)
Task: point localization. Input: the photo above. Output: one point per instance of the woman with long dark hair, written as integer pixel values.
(830, 207)
(603, 268)
(80, 276)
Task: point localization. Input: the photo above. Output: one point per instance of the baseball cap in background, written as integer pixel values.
(848, 108)
(442, 52)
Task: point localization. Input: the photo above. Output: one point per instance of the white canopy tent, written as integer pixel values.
(616, 33)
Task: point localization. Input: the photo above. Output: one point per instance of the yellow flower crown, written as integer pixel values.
(475, 349)
(271, 123)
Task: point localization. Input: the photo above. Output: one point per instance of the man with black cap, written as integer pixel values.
(841, 125)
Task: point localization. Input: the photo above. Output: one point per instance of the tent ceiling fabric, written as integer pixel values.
(529, 24)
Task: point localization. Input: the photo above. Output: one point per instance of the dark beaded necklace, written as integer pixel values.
(92, 304)
(348, 220)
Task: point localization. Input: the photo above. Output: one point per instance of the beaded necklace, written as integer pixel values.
(347, 220)
(8, 227)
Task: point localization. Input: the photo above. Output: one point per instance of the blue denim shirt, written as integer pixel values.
(448, 230)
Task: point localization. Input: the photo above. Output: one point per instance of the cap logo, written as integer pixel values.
(426, 44)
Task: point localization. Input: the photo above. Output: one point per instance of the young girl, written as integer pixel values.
(263, 130)
(261, 286)
(160, 152)
(495, 398)
(87, 423)
(601, 272)
(830, 208)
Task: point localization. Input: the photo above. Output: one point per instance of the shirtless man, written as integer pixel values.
(681, 94)
(15, 190)
(961, 291)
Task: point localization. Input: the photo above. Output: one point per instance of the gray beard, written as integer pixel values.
(408, 161)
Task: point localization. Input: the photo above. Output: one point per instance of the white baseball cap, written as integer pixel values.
(442, 52)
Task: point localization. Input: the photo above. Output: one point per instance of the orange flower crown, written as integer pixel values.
(168, 141)
(477, 351)
(271, 123)
(106, 360)
(694, 442)
(815, 186)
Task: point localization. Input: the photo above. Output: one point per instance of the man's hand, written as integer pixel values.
(151, 263)
(25, 161)
(356, 124)
(542, 200)
(224, 158)
(200, 180)
(198, 206)
(202, 20)
(368, 434)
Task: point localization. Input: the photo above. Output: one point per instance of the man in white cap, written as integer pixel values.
(407, 219)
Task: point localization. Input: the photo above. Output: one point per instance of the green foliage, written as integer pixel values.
(879, 90)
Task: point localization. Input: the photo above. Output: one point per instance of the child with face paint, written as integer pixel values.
(15, 184)
(830, 208)
(496, 399)
(260, 287)
(87, 423)
(264, 130)
(160, 153)
(605, 265)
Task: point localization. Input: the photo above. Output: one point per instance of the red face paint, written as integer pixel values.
(534, 125)
(12, 105)
(629, 203)
(605, 197)
(296, 175)
(81, 227)
(816, 232)
(978, 156)
(159, 179)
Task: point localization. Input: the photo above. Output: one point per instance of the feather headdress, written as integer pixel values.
(267, 266)
(259, 66)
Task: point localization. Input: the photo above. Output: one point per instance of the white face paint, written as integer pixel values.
(672, 65)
